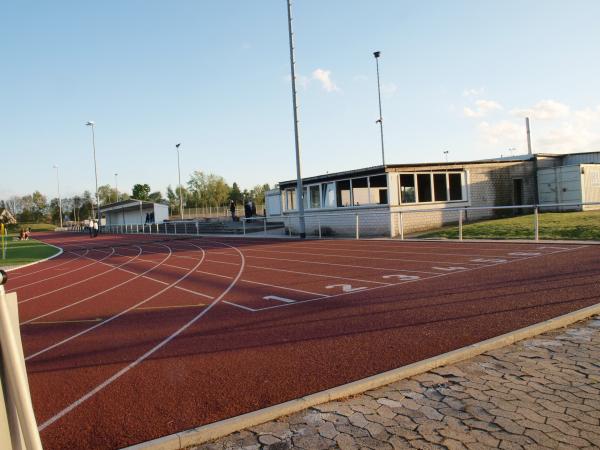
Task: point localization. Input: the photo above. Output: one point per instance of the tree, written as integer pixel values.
(156, 197)
(140, 192)
(209, 190)
(235, 194)
(258, 193)
(107, 194)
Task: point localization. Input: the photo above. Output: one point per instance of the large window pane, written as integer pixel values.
(439, 187)
(328, 195)
(379, 190)
(290, 199)
(407, 188)
(455, 182)
(360, 191)
(343, 193)
(315, 201)
(424, 185)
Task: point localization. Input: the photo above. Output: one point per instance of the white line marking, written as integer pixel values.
(453, 268)
(278, 298)
(317, 274)
(154, 349)
(401, 277)
(241, 306)
(346, 287)
(29, 274)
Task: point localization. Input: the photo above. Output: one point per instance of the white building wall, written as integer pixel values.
(560, 185)
(582, 158)
(591, 185)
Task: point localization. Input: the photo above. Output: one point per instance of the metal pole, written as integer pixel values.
(179, 174)
(141, 213)
(536, 223)
(380, 120)
(299, 187)
(59, 200)
(401, 217)
(357, 233)
(319, 220)
(116, 187)
(93, 125)
(460, 225)
(244, 225)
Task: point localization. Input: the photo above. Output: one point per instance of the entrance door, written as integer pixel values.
(518, 194)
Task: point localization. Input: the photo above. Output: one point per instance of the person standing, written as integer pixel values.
(95, 228)
(232, 209)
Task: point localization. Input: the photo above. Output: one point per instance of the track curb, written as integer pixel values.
(222, 428)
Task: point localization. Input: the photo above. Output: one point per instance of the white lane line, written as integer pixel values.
(95, 261)
(317, 275)
(328, 264)
(421, 279)
(110, 319)
(246, 308)
(30, 274)
(153, 350)
(54, 322)
(70, 305)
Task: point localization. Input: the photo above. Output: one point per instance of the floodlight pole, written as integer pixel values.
(380, 120)
(116, 186)
(179, 174)
(299, 187)
(59, 200)
(93, 125)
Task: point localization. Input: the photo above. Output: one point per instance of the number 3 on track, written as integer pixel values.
(346, 287)
(402, 277)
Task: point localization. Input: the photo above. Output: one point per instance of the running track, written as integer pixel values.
(129, 338)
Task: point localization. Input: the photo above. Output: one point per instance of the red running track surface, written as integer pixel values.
(129, 338)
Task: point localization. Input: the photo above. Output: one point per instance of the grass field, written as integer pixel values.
(583, 225)
(24, 252)
(14, 229)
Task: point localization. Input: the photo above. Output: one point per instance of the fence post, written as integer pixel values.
(460, 225)
(174, 227)
(401, 219)
(244, 225)
(197, 228)
(537, 223)
(265, 225)
(319, 219)
(357, 232)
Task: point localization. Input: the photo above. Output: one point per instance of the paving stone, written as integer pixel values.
(484, 438)
(278, 429)
(451, 444)
(352, 430)
(509, 425)
(389, 403)
(529, 414)
(431, 413)
(541, 438)
(358, 420)
(399, 444)
(380, 420)
(373, 443)
(328, 430)
(385, 411)
(461, 436)
(345, 442)
(572, 440)
(336, 419)
(268, 439)
(312, 442)
(424, 445)
(481, 425)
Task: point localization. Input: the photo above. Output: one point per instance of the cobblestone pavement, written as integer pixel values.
(540, 393)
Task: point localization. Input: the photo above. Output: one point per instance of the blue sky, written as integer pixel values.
(457, 76)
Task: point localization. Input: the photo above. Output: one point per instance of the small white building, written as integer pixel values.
(577, 183)
(133, 212)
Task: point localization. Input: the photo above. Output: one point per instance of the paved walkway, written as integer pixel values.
(539, 393)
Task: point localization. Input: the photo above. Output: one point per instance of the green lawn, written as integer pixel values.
(24, 252)
(583, 225)
(34, 227)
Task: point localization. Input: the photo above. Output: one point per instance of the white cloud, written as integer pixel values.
(503, 132)
(544, 110)
(483, 108)
(473, 92)
(324, 77)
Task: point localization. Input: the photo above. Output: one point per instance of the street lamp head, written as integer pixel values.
(177, 145)
(376, 54)
(90, 123)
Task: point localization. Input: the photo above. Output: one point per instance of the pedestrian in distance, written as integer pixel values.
(95, 228)
(253, 208)
(91, 228)
(232, 209)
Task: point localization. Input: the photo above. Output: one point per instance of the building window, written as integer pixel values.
(439, 187)
(360, 191)
(328, 195)
(343, 193)
(407, 188)
(290, 199)
(378, 189)
(315, 201)
(424, 187)
(455, 184)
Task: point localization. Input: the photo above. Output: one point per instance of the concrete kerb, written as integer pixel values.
(223, 428)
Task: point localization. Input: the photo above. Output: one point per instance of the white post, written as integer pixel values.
(265, 225)
(460, 225)
(244, 225)
(197, 228)
(319, 219)
(536, 223)
(357, 232)
(174, 227)
(14, 368)
(401, 219)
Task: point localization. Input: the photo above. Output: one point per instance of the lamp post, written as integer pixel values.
(446, 155)
(380, 120)
(116, 187)
(92, 124)
(299, 187)
(179, 175)
(58, 189)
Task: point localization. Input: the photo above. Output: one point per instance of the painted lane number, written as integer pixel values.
(489, 260)
(450, 269)
(402, 277)
(346, 287)
(279, 299)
